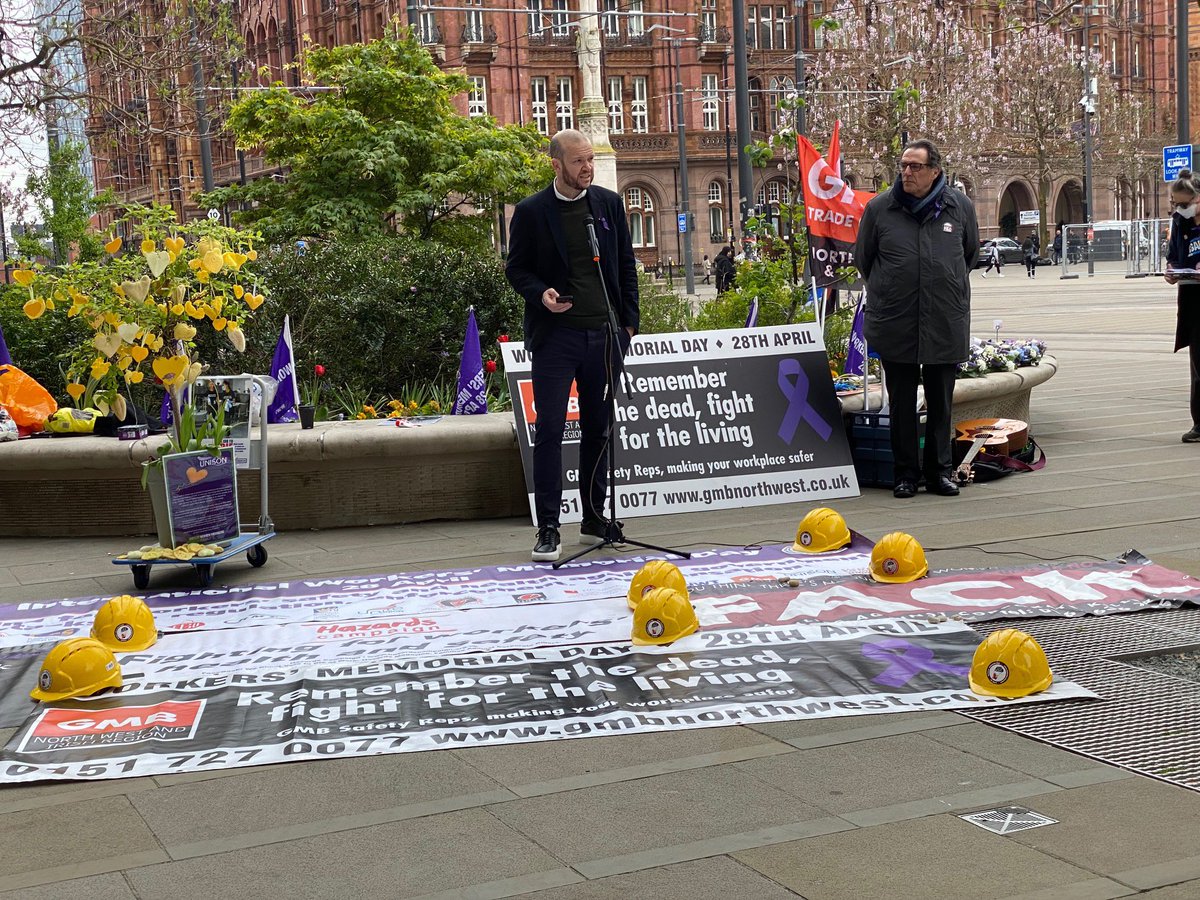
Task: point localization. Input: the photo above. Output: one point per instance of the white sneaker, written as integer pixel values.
(999, 274)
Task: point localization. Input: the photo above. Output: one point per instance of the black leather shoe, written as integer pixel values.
(904, 490)
(943, 486)
(547, 547)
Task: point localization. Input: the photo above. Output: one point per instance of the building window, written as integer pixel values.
(817, 13)
(428, 29)
(709, 105)
(616, 112)
(755, 87)
(767, 27)
(772, 191)
(611, 22)
(477, 98)
(716, 223)
(760, 199)
(473, 32)
(564, 108)
(639, 113)
(708, 20)
(641, 217)
(634, 22)
(541, 113)
(714, 192)
(535, 17)
(191, 169)
(559, 20)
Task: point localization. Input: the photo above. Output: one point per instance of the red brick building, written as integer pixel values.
(523, 64)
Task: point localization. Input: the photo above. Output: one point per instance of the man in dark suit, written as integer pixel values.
(550, 264)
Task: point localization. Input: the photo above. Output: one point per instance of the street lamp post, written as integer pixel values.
(740, 77)
(728, 149)
(1089, 104)
(685, 206)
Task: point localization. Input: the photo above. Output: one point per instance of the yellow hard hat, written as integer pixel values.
(1010, 663)
(77, 667)
(821, 530)
(898, 558)
(663, 615)
(655, 574)
(124, 624)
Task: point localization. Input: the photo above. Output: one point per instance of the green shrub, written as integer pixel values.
(42, 348)
(378, 313)
(663, 310)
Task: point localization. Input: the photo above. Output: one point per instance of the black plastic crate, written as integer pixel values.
(871, 447)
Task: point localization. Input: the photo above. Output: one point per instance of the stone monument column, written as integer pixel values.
(592, 114)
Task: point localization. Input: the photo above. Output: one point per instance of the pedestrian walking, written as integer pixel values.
(724, 268)
(1183, 252)
(917, 244)
(707, 269)
(1029, 251)
(993, 259)
(552, 266)
(1057, 245)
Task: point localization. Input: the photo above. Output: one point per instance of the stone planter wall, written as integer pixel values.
(343, 473)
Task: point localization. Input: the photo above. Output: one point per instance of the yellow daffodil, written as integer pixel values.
(113, 246)
(35, 307)
(100, 368)
(75, 390)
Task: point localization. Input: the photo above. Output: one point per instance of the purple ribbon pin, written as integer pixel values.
(906, 659)
(796, 392)
(604, 223)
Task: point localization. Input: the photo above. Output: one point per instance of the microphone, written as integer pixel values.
(590, 224)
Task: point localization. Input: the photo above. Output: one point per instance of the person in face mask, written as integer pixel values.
(1183, 258)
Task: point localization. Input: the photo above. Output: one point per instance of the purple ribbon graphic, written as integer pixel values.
(905, 660)
(798, 408)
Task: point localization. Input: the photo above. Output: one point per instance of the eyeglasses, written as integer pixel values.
(914, 167)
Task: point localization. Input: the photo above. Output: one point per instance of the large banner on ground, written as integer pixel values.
(704, 680)
(709, 420)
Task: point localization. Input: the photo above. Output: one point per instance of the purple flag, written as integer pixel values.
(856, 348)
(5, 359)
(164, 413)
(471, 398)
(283, 370)
(752, 316)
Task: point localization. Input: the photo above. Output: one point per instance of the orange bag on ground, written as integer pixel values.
(29, 404)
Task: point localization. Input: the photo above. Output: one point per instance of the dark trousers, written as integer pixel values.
(566, 355)
(902, 380)
(1194, 358)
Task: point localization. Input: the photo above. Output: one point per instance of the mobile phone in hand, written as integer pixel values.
(564, 298)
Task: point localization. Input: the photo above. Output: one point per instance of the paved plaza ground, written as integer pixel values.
(828, 810)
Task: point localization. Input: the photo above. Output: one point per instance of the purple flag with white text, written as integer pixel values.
(471, 397)
(5, 359)
(283, 370)
(856, 349)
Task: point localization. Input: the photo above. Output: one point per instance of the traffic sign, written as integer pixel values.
(1031, 217)
(1175, 159)
(683, 223)
(214, 214)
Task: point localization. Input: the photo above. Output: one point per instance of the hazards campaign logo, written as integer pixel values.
(70, 729)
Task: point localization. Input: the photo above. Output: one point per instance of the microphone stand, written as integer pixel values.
(612, 528)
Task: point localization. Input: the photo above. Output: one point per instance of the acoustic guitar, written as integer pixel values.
(1004, 437)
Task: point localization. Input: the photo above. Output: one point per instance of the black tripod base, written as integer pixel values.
(614, 535)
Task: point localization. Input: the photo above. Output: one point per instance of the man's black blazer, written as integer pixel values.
(537, 257)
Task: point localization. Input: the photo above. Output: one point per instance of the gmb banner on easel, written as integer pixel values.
(709, 420)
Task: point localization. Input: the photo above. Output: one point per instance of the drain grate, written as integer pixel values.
(1144, 721)
(1008, 819)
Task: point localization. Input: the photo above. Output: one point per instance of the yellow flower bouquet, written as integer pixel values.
(145, 305)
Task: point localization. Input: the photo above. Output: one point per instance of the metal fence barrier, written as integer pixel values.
(1136, 248)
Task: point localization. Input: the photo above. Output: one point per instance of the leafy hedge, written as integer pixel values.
(380, 314)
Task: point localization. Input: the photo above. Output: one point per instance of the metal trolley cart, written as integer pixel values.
(236, 393)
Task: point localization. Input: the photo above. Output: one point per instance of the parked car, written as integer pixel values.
(1010, 252)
